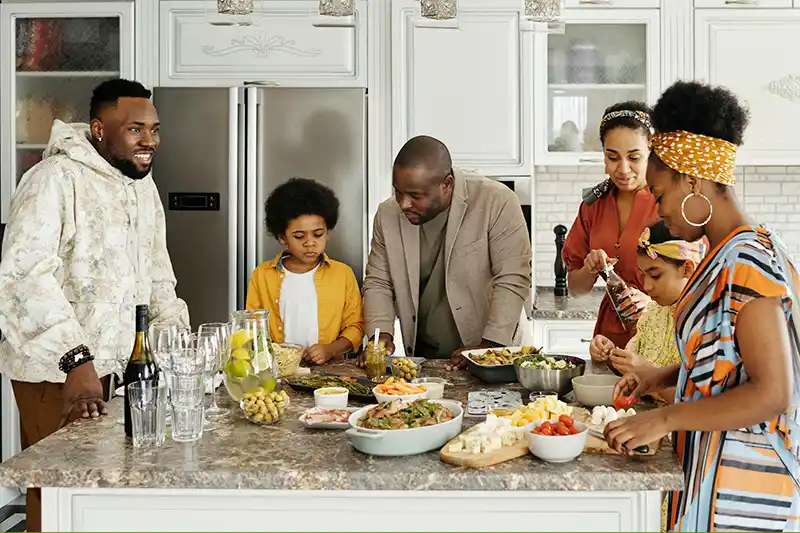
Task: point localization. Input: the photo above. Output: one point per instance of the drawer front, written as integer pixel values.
(565, 337)
(735, 4)
(613, 4)
(282, 47)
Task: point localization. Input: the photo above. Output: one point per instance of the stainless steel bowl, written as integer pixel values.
(557, 381)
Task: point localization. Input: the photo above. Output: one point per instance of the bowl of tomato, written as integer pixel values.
(557, 441)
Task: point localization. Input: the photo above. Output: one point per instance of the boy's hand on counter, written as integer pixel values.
(319, 354)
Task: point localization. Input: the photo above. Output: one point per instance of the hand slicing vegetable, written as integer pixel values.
(624, 402)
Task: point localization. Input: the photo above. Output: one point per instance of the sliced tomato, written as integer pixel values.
(566, 420)
(624, 402)
(561, 429)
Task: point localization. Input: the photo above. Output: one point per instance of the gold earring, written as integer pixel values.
(683, 210)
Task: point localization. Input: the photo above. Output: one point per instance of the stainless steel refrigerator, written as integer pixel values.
(223, 151)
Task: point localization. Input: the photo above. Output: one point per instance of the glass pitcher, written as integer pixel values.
(250, 361)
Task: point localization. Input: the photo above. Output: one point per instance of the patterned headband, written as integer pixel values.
(697, 155)
(641, 116)
(677, 249)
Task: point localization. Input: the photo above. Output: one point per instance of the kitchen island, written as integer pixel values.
(243, 477)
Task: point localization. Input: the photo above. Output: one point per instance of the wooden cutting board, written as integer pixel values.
(598, 445)
(482, 460)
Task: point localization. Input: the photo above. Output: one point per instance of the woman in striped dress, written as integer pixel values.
(735, 418)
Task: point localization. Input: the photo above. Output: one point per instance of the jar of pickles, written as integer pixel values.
(375, 357)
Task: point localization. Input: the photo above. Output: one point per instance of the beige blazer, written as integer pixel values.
(488, 270)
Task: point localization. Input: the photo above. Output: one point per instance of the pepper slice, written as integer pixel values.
(624, 402)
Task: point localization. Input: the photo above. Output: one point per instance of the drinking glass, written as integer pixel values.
(148, 400)
(217, 352)
(187, 393)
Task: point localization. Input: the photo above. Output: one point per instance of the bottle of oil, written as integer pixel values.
(141, 364)
(615, 287)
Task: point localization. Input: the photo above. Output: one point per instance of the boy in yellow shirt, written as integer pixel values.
(313, 300)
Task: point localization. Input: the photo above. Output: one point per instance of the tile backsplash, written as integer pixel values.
(770, 194)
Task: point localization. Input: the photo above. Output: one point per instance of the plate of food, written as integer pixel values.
(319, 418)
(401, 427)
(496, 365)
(359, 389)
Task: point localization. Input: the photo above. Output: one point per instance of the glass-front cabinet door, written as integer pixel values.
(603, 57)
(53, 55)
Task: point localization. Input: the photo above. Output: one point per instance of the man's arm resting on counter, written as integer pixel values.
(510, 256)
(165, 306)
(378, 287)
(37, 318)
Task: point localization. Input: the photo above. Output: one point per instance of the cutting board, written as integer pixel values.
(481, 460)
(598, 445)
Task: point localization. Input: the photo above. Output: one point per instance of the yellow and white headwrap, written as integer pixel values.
(697, 155)
(677, 249)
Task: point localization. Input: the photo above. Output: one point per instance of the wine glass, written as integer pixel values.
(216, 346)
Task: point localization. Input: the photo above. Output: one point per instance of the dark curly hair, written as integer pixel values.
(297, 197)
(109, 92)
(703, 109)
(659, 233)
(625, 122)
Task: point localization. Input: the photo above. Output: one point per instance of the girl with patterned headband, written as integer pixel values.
(667, 264)
(611, 218)
(735, 423)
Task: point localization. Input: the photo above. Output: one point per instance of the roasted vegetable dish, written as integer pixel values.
(502, 356)
(399, 414)
(317, 382)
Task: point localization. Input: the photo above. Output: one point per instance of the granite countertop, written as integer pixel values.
(548, 306)
(241, 455)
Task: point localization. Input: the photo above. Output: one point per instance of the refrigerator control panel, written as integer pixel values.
(194, 201)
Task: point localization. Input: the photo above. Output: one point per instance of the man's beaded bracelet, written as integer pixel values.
(75, 358)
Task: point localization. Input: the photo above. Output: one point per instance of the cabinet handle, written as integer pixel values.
(742, 2)
(595, 2)
(590, 160)
(261, 84)
(586, 341)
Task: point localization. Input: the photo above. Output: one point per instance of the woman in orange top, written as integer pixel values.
(313, 300)
(611, 219)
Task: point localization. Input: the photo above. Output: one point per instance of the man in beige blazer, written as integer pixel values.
(451, 257)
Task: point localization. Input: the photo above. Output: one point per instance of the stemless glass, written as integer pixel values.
(215, 358)
(251, 362)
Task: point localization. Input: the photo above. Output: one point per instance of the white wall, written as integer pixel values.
(770, 194)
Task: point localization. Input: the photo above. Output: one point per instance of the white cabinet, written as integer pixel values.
(604, 57)
(281, 47)
(471, 88)
(53, 55)
(564, 337)
(752, 52)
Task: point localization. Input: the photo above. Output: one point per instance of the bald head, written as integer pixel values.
(423, 178)
(427, 152)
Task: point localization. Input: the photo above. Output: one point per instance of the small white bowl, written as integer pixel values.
(434, 386)
(331, 397)
(390, 397)
(557, 448)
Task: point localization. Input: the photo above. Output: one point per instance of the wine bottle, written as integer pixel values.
(141, 364)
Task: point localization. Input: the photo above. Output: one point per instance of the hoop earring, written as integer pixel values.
(683, 210)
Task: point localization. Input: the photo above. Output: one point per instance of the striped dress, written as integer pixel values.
(742, 480)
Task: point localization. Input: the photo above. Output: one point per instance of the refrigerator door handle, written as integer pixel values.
(234, 146)
(253, 165)
(238, 197)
